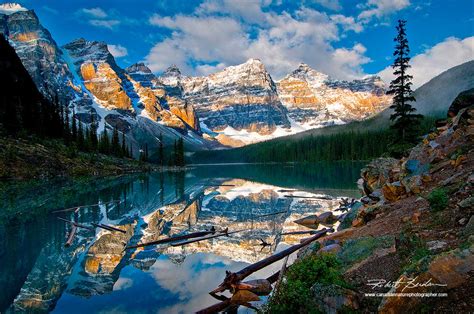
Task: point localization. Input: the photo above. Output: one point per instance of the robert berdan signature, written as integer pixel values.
(408, 283)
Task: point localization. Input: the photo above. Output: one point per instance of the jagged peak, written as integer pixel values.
(138, 67)
(172, 70)
(11, 7)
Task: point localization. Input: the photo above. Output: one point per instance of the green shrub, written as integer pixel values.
(294, 294)
(438, 199)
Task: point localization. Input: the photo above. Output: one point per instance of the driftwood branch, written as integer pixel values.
(82, 206)
(310, 197)
(221, 234)
(299, 232)
(173, 239)
(71, 236)
(232, 279)
(76, 224)
(107, 227)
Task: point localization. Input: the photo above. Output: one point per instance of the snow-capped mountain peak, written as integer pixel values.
(10, 8)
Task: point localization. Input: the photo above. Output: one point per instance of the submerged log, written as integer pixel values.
(82, 206)
(310, 197)
(232, 279)
(107, 227)
(265, 215)
(221, 234)
(172, 239)
(76, 224)
(299, 232)
(71, 236)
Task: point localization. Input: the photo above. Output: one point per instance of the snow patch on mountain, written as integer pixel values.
(10, 8)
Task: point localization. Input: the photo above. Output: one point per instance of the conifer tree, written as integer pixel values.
(74, 125)
(406, 122)
(93, 134)
(80, 137)
(104, 143)
(115, 143)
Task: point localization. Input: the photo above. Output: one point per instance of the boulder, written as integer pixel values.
(327, 218)
(331, 249)
(463, 100)
(311, 221)
(469, 228)
(394, 191)
(333, 298)
(378, 172)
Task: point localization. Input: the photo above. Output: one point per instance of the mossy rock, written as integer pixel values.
(356, 250)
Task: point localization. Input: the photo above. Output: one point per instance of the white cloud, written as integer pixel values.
(437, 59)
(110, 24)
(381, 8)
(117, 51)
(100, 18)
(94, 12)
(347, 23)
(201, 40)
(330, 4)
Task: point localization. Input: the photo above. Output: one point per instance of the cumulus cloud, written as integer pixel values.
(205, 41)
(437, 59)
(330, 4)
(94, 12)
(117, 51)
(98, 17)
(381, 8)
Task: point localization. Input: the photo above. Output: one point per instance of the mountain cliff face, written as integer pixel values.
(314, 100)
(240, 98)
(242, 104)
(87, 79)
(236, 106)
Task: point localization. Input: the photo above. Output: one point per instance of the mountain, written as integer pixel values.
(86, 77)
(239, 105)
(314, 100)
(352, 140)
(242, 104)
(436, 95)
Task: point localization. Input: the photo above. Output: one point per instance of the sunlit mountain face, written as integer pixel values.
(97, 273)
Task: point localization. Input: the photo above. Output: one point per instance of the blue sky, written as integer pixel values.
(343, 38)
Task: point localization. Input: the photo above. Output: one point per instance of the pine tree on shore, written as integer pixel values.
(405, 121)
(116, 150)
(74, 126)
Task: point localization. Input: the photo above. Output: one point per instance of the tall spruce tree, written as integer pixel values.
(74, 125)
(116, 150)
(405, 120)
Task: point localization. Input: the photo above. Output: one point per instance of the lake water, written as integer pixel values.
(95, 275)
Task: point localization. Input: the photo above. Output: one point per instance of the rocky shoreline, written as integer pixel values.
(411, 232)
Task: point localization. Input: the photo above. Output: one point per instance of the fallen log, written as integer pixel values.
(211, 185)
(71, 236)
(299, 232)
(107, 227)
(226, 302)
(172, 239)
(231, 279)
(76, 224)
(265, 215)
(221, 234)
(82, 206)
(309, 197)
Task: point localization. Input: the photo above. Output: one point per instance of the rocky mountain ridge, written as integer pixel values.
(239, 105)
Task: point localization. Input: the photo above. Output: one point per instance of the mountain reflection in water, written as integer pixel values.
(96, 274)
